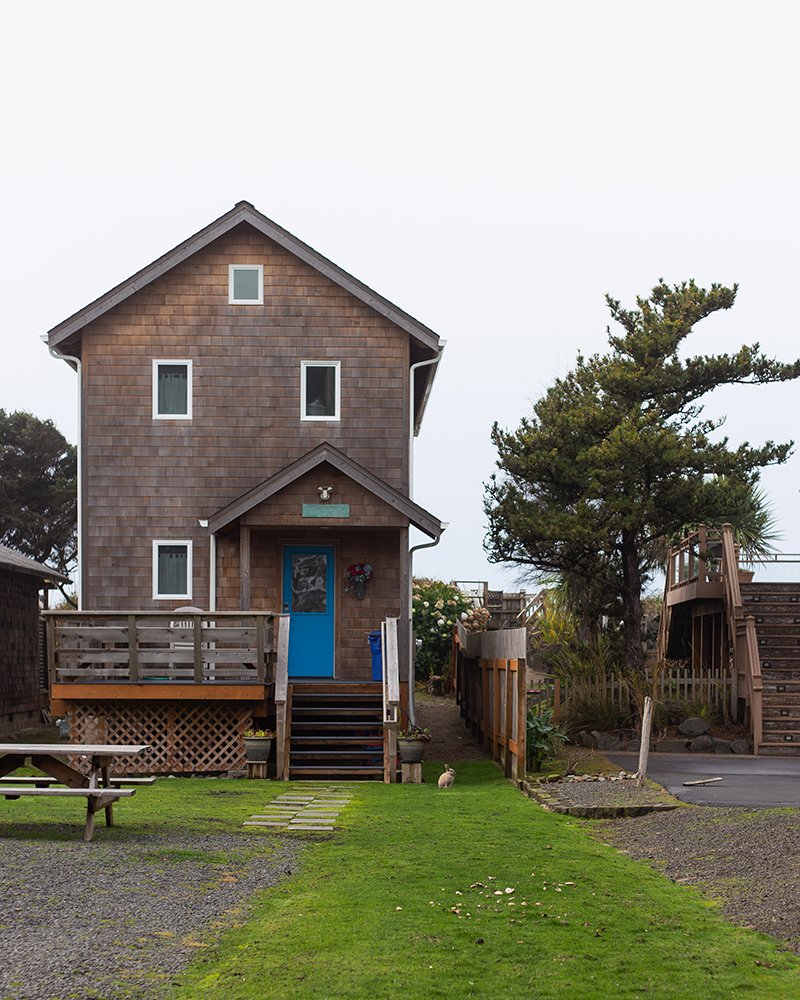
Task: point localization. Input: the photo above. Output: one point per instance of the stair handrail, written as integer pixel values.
(391, 670)
(742, 634)
(283, 721)
(756, 683)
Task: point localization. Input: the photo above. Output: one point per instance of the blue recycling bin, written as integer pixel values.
(377, 654)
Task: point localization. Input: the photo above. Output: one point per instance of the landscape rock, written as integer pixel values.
(722, 746)
(702, 743)
(584, 739)
(670, 746)
(605, 741)
(741, 746)
(694, 727)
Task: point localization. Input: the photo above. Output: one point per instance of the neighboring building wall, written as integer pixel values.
(153, 479)
(20, 679)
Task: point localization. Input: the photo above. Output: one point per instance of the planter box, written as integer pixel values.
(257, 748)
(410, 751)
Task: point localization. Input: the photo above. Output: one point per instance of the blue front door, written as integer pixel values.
(308, 597)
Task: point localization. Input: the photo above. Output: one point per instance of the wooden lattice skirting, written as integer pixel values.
(193, 738)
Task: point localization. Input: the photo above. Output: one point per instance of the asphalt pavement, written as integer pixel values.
(761, 782)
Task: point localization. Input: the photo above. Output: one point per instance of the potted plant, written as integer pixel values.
(411, 742)
(257, 744)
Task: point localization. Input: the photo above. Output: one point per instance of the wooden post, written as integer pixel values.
(522, 719)
(282, 697)
(644, 749)
(261, 665)
(197, 635)
(244, 562)
(133, 651)
(509, 719)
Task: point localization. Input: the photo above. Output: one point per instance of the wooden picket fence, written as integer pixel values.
(678, 685)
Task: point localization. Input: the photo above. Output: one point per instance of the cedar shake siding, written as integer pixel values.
(148, 479)
(20, 671)
(355, 618)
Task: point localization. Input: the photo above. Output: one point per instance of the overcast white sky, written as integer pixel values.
(492, 169)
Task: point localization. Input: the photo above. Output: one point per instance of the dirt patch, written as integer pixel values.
(450, 741)
(747, 859)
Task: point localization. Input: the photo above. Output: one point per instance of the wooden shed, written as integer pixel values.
(23, 691)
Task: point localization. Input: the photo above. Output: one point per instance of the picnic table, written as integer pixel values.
(99, 790)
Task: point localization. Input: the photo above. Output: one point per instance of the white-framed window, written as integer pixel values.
(246, 284)
(172, 570)
(172, 389)
(320, 390)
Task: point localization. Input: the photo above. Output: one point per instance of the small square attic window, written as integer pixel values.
(246, 284)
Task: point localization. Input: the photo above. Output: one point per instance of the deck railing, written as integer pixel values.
(152, 647)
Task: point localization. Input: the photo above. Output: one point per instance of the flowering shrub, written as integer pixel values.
(435, 608)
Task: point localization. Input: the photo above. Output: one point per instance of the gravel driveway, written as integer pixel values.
(748, 859)
(106, 920)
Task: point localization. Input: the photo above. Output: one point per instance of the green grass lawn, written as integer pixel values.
(474, 892)
(479, 893)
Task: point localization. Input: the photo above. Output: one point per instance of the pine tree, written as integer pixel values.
(618, 457)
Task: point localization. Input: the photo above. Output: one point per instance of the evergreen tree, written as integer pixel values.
(618, 457)
(38, 490)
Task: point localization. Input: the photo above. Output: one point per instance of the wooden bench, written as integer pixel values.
(41, 781)
(98, 793)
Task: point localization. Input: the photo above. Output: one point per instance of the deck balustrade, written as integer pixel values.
(151, 647)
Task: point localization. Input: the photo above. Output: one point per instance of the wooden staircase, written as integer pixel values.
(336, 731)
(776, 610)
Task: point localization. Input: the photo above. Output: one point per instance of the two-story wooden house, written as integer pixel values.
(247, 418)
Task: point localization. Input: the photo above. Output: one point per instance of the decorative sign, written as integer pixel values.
(326, 510)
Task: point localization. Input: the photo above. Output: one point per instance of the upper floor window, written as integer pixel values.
(246, 284)
(172, 570)
(172, 389)
(320, 394)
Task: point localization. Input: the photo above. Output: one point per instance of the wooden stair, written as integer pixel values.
(776, 610)
(336, 731)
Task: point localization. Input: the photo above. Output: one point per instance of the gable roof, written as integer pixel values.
(9, 559)
(417, 515)
(243, 211)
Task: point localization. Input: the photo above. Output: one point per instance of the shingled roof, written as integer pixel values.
(325, 452)
(9, 559)
(243, 211)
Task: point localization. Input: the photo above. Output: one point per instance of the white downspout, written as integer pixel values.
(424, 545)
(412, 370)
(77, 361)
(411, 678)
(212, 566)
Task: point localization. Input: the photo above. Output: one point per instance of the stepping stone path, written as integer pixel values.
(308, 806)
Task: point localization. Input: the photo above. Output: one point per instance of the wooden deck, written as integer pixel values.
(145, 648)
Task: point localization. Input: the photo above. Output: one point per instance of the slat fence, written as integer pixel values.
(490, 691)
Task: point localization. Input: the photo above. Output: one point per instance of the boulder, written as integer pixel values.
(741, 746)
(702, 744)
(605, 741)
(694, 727)
(670, 746)
(584, 739)
(722, 746)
